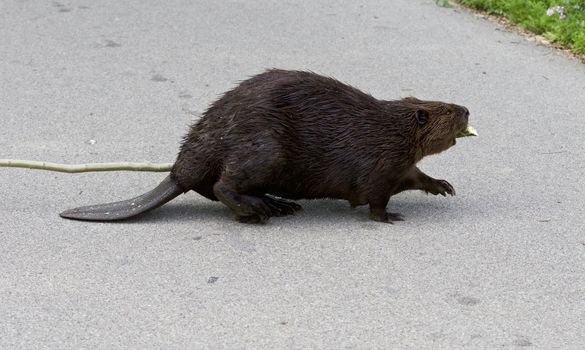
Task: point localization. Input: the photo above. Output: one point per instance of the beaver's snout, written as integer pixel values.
(463, 113)
(463, 117)
(466, 114)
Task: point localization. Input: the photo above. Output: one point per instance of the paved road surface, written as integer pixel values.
(502, 265)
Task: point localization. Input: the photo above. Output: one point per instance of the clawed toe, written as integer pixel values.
(386, 217)
(446, 187)
(441, 187)
(253, 219)
(266, 206)
(281, 207)
(395, 216)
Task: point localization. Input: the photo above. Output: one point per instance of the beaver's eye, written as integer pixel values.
(449, 112)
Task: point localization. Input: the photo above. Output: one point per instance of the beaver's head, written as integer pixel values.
(438, 123)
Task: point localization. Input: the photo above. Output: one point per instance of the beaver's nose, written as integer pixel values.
(466, 113)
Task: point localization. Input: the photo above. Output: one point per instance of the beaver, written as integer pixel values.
(285, 135)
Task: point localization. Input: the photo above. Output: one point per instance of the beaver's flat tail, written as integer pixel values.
(164, 192)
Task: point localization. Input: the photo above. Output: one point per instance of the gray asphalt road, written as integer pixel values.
(501, 265)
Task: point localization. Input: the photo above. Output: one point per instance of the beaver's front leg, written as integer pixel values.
(417, 180)
(378, 200)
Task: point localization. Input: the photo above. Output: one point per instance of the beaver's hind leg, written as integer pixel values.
(250, 209)
(246, 176)
(253, 208)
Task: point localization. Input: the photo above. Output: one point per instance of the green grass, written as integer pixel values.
(531, 15)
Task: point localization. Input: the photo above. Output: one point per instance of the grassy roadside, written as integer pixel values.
(559, 21)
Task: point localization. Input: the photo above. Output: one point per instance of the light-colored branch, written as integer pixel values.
(82, 168)
(470, 131)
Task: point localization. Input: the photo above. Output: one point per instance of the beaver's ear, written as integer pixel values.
(422, 116)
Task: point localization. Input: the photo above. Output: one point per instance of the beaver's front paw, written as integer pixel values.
(440, 187)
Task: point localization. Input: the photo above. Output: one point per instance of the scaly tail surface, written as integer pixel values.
(164, 192)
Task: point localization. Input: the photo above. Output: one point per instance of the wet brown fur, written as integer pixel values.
(298, 135)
